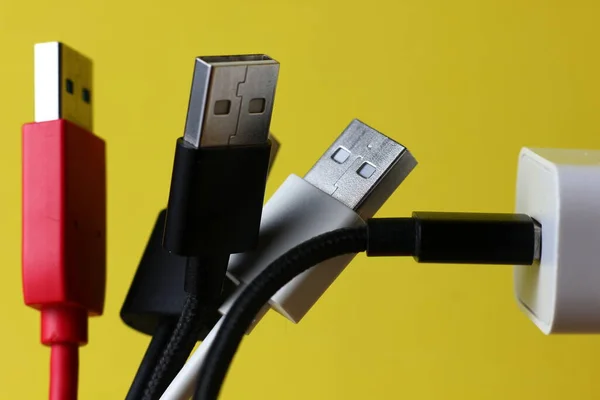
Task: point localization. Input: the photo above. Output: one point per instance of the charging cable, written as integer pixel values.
(221, 161)
(155, 299)
(428, 237)
(64, 210)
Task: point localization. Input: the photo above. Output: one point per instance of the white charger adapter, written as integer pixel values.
(560, 188)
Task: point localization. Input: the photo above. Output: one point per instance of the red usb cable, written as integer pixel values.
(64, 329)
(64, 213)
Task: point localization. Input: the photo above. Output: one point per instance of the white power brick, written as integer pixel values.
(560, 188)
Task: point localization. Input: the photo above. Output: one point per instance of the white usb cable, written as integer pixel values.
(348, 184)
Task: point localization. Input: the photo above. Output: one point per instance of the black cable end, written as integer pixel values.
(216, 198)
(476, 238)
(391, 237)
(457, 238)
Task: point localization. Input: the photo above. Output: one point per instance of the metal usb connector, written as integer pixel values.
(362, 168)
(63, 84)
(223, 156)
(231, 101)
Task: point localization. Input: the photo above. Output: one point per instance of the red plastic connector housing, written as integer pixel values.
(64, 227)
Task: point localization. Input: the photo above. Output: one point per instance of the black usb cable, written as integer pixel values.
(430, 237)
(216, 196)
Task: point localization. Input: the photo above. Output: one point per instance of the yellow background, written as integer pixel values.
(464, 84)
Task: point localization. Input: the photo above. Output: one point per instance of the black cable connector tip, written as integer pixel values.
(390, 237)
(457, 238)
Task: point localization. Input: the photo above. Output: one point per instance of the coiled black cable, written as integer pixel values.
(157, 345)
(254, 297)
(202, 299)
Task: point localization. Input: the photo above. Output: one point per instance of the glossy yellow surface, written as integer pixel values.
(464, 84)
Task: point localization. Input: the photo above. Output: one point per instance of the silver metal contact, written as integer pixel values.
(537, 244)
(362, 168)
(231, 101)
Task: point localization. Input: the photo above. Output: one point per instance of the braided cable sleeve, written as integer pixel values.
(258, 293)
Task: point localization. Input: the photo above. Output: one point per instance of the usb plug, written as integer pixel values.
(221, 162)
(63, 84)
(217, 189)
(64, 210)
(362, 168)
(231, 101)
(348, 184)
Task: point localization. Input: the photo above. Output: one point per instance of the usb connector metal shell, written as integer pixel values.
(63, 84)
(362, 168)
(231, 101)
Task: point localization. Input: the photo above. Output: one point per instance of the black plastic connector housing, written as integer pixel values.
(457, 238)
(216, 198)
(156, 293)
(475, 238)
(391, 237)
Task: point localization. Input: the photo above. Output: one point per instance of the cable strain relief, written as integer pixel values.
(204, 277)
(64, 325)
(391, 237)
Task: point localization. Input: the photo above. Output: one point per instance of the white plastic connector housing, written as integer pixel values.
(560, 188)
